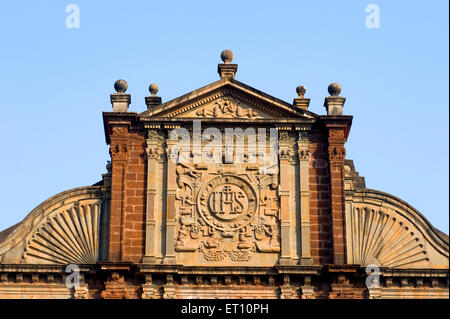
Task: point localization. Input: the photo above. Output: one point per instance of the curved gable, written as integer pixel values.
(64, 229)
(384, 230)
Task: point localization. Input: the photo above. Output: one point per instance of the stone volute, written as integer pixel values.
(334, 103)
(120, 100)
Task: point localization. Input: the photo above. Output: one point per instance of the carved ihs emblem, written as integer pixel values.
(224, 217)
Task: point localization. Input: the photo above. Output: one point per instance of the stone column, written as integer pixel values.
(105, 214)
(171, 177)
(284, 195)
(303, 157)
(153, 153)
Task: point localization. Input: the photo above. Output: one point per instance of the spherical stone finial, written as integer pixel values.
(334, 89)
(153, 88)
(227, 56)
(121, 86)
(301, 90)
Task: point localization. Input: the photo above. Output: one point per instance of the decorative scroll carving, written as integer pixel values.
(68, 237)
(227, 107)
(271, 231)
(285, 154)
(153, 152)
(337, 153)
(118, 151)
(304, 155)
(384, 239)
(286, 137)
(336, 135)
(303, 136)
(154, 135)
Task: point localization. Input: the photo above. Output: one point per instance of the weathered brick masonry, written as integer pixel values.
(320, 197)
(127, 219)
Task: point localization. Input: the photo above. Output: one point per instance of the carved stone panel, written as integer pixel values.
(226, 216)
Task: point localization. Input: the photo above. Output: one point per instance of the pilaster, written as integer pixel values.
(338, 128)
(119, 154)
(303, 158)
(170, 219)
(284, 193)
(153, 154)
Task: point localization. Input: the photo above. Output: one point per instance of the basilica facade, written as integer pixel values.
(225, 192)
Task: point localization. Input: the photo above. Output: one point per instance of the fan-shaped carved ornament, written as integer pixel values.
(384, 239)
(69, 236)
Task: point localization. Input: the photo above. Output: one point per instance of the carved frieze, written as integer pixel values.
(227, 107)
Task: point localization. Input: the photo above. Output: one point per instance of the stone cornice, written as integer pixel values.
(211, 270)
(338, 122)
(227, 270)
(300, 123)
(117, 118)
(35, 268)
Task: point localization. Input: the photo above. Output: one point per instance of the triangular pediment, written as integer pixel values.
(227, 99)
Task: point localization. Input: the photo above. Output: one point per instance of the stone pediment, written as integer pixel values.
(228, 99)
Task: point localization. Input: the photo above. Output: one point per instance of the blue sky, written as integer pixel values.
(55, 82)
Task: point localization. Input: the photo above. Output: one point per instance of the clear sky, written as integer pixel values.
(55, 82)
